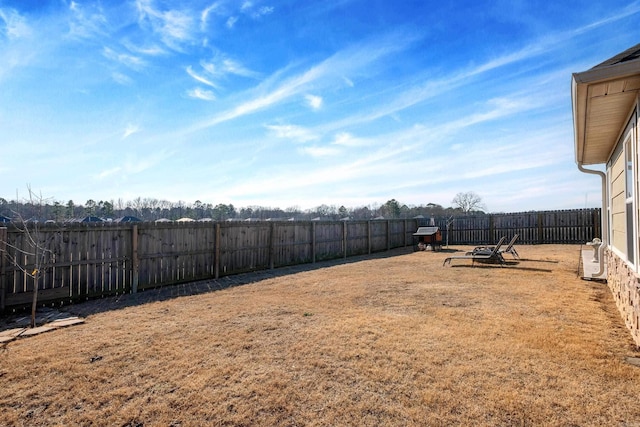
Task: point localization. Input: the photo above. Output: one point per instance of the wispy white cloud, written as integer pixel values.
(221, 66)
(134, 164)
(19, 43)
(313, 101)
(263, 11)
(130, 130)
(199, 93)
(13, 25)
(355, 58)
(254, 11)
(319, 151)
(346, 139)
(204, 15)
(286, 90)
(134, 62)
(108, 173)
(175, 27)
(150, 49)
(494, 109)
(234, 67)
(630, 10)
(87, 21)
(231, 21)
(200, 78)
(295, 133)
(431, 88)
(363, 169)
(396, 154)
(121, 79)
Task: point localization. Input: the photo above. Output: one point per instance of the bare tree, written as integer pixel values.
(468, 202)
(32, 257)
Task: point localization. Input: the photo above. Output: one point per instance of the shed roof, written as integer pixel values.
(426, 231)
(602, 99)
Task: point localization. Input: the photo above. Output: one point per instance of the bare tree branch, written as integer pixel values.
(468, 202)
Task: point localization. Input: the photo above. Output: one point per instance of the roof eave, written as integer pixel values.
(580, 83)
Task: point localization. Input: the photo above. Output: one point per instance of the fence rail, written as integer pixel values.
(92, 260)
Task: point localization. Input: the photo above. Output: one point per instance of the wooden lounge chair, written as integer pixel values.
(492, 255)
(510, 249)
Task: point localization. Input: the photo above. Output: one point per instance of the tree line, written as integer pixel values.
(150, 209)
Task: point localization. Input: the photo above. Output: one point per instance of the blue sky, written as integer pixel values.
(287, 103)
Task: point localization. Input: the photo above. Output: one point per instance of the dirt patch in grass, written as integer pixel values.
(396, 340)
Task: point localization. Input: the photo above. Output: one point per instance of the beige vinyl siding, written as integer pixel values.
(618, 218)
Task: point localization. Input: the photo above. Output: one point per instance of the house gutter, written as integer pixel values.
(603, 217)
(579, 85)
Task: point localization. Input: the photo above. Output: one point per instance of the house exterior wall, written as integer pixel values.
(625, 287)
(618, 222)
(623, 272)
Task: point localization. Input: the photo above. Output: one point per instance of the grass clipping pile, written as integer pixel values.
(398, 340)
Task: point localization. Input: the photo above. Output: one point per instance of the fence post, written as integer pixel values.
(313, 241)
(272, 243)
(597, 223)
(388, 235)
(216, 252)
(369, 235)
(135, 262)
(3, 281)
(404, 231)
(344, 238)
(492, 237)
(540, 234)
(450, 232)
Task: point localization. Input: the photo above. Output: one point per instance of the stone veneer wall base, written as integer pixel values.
(625, 286)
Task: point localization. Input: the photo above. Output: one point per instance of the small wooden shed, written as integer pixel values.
(428, 239)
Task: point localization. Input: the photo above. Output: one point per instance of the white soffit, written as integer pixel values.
(602, 100)
(609, 105)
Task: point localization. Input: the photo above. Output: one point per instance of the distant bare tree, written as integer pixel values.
(468, 202)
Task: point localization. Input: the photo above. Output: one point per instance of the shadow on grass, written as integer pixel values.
(99, 305)
(509, 266)
(443, 250)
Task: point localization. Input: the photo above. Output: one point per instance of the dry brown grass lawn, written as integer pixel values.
(382, 341)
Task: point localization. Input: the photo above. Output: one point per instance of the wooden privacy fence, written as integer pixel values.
(92, 260)
(566, 226)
